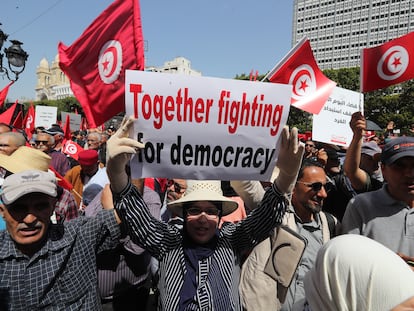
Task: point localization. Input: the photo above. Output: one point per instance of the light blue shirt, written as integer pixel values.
(2, 224)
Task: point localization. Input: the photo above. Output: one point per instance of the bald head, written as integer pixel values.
(10, 141)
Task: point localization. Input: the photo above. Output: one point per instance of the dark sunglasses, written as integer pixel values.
(316, 186)
(309, 145)
(210, 212)
(44, 142)
(177, 187)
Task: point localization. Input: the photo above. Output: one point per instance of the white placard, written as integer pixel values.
(205, 128)
(45, 116)
(331, 125)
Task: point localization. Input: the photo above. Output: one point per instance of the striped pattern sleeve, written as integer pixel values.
(145, 230)
(260, 222)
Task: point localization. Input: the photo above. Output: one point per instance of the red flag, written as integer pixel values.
(18, 121)
(61, 180)
(28, 121)
(4, 92)
(7, 116)
(96, 62)
(66, 129)
(387, 64)
(84, 125)
(311, 89)
(71, 148)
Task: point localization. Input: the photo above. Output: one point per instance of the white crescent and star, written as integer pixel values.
(393, 63)
(110, 61)
(303, 81)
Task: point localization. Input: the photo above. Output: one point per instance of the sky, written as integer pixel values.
(221, 38)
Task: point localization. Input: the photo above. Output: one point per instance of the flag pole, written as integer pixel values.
(284, 59)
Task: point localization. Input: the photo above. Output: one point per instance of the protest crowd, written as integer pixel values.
(84, 227)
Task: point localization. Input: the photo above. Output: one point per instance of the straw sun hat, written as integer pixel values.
(203, 190)
(25, 158)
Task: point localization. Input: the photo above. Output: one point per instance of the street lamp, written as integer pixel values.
(15, 56)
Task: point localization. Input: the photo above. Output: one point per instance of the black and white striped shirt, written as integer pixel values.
(164, 242)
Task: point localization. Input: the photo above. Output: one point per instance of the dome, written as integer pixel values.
(57, 58)
(44, 63)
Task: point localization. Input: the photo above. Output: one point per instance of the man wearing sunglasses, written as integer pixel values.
(258, 289)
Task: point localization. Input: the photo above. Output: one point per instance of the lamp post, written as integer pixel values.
(15, 56)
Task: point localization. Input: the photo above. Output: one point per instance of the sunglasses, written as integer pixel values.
(177, 187)
(44, 142)
(309, 145)
(316, 186)
(210, 213)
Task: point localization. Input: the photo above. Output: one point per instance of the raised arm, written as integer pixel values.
(352, 161)
(120, 148)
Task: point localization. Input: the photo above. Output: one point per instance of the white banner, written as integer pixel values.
(45, 116)
(205, 128)
(331, 125)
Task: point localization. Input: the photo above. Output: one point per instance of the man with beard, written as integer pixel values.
(259, 291)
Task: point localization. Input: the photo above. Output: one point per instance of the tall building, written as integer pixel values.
(52, 83)
(339, 29)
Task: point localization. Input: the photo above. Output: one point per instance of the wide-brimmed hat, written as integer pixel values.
(203, 190)
(25, 158)
(32, 181)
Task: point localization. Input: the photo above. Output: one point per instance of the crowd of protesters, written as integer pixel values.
(80, 234)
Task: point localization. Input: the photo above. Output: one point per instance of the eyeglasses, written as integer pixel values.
(316, 186)
(210, 213)
(309, 145)
(177, 187)
(44, 142)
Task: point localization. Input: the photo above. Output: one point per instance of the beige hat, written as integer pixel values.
(203, 190)
(19, 184)
(25, 158)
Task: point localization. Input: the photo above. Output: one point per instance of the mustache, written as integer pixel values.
(23, 226)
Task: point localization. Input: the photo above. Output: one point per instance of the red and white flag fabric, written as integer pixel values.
(4, 92)
(311, 89)
(71, 148)
(28, 121)
(387, 64)
(96, 62)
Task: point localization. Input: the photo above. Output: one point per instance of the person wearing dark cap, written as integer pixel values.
(44, 266)
(387, 215)
(361, 160)
(88, 172)
(58, 134)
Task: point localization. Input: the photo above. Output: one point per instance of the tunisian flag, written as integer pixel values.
(4, 92)
(96, 62)
(71, 148)
(311, 89)
(28, 121)
(387, 64)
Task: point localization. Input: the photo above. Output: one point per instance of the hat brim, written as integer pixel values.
(16, 192)
(395, 157)
(228, 205)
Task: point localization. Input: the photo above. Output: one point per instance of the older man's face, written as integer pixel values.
(27, 220)
(7, 145)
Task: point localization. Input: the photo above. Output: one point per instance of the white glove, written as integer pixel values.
(119, 150)
(289, 160)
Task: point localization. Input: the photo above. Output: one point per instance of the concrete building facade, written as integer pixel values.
(339, 29)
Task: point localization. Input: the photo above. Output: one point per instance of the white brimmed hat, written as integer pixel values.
(17, 185)
(203, 190)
